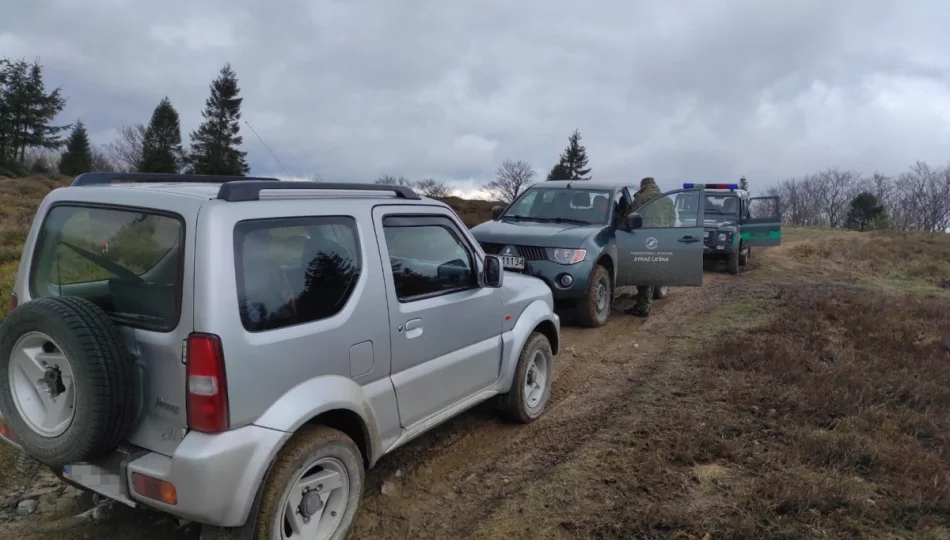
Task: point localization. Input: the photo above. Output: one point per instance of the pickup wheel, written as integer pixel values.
(593, 309)
(67, 384)
(312, 491)
(732, 264)
(660, 292)
(531, 386)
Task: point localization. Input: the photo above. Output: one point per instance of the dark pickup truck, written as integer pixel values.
(579, 239)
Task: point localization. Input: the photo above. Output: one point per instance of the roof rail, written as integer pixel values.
(102, 178)
(251, 190)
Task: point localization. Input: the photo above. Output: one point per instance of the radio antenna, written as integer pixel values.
(268, 148)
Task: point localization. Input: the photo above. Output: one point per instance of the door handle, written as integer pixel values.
(688, 239)
(413, 324)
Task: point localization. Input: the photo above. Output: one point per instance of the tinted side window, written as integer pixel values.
(428, 257)
(296, 270)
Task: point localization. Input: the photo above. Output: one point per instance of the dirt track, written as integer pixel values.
(451, 479)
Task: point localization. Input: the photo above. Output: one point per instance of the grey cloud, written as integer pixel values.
(680, 90)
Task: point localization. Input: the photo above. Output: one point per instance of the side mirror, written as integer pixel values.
(632, 221)
(494, 275)
(496, 211)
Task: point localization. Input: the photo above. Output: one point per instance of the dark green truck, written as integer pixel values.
(733, 223)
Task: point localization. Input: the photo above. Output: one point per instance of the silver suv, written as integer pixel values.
(237, 351)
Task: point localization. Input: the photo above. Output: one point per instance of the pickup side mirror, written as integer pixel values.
(632, 221)
(494, 275)
(496, 211)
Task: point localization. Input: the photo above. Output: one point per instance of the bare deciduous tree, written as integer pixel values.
(390, 180)
(511, 178)
(101, 161)
(836, 189)
(433, 188)
(916, 200)
(126, 150)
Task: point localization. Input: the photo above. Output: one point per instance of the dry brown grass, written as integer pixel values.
(19, 199)
(829, 419)
(907, 261)
(471, 211)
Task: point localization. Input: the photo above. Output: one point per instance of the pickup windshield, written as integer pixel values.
(558, 205)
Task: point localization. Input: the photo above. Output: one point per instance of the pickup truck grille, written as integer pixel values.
(530, 253)
(709, 238)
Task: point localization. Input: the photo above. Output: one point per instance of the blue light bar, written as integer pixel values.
(711, 186)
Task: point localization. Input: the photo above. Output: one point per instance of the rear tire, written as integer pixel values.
(594, 308)
(314, 450)
(660, 292)
(67, 355)
(531, 385)
(732, 264)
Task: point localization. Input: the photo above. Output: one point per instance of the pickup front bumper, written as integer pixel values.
(552, 274)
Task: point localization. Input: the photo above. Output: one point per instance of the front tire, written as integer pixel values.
(531, 386)
(311, 492)
(745, 255)
(593, 309)
(732, 264)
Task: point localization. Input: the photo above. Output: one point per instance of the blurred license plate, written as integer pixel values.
(515, 263)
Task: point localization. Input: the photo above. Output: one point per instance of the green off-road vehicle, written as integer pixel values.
(733, 223)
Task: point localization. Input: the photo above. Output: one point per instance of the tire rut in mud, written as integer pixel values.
(458, 475)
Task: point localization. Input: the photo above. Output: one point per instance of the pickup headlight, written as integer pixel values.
(568, 256)
(722, 237)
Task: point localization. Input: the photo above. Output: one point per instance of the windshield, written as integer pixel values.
(722, 205)
(558, 205)
(716, 205)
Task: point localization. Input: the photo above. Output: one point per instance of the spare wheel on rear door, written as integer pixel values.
(67, 385)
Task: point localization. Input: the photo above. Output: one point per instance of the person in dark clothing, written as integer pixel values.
(660, 214)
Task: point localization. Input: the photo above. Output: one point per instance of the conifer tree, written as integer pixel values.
(161, 145)
(573, 162)
(77, 158)
(27, 112)
(214, 145)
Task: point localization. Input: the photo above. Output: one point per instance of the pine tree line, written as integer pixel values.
(27, 112)
(29, 133)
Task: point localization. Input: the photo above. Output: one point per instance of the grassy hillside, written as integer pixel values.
(18, 202)
(805, 398)
(472, 212)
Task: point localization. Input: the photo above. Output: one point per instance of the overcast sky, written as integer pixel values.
(683, 90)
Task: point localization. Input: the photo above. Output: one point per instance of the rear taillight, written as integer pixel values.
(14, 302)
(207, 384)
(6, 432)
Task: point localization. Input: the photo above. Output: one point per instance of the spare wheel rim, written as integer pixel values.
(42, 384)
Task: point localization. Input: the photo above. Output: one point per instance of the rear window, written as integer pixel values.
(126, 261)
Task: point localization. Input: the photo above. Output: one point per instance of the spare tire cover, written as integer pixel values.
(67, 385)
